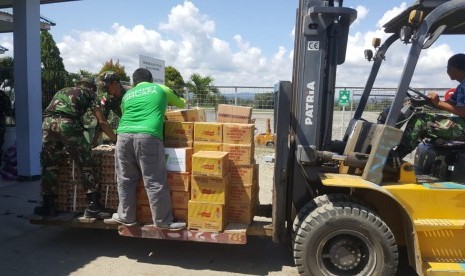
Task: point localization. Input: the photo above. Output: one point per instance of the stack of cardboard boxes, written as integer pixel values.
(224, 187)
(211, 171)
(238, 134)
(71, 195)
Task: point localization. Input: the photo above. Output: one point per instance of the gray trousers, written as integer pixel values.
(136, 156)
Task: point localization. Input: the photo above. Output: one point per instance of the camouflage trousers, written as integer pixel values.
(433, 126)
(63, 138)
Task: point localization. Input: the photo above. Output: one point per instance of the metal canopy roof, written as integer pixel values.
(6, 17)
(454, 21)
(9, 3)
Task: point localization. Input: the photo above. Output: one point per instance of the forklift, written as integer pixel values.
(353, 217)
(333, 201)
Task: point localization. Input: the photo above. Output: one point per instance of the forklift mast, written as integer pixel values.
(321, 43)
(304, 108)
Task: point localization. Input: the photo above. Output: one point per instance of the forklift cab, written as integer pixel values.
(420, 25)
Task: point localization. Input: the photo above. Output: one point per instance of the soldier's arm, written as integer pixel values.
(103, 123)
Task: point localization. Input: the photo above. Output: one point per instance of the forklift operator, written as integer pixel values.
(436, 126)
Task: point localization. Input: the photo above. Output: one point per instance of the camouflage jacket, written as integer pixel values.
(72, 102)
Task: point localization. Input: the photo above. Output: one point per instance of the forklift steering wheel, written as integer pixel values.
(421, 95)
(415, 99)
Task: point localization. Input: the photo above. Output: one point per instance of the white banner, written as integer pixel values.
(155, 66)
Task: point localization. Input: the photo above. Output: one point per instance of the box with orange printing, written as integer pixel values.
(243, 175)
(234, 133)
(183, 131)
(208, 132)
(240, 213)
(209, 189)
(241, 194)
(206, 146)
(185, 115)
(206, 216)
(210, 163)
(179, 200)
(239, 154)
(178, 181)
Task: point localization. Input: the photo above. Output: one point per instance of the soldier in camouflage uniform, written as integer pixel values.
(63, 135)
(5, 110)
(112, 102)
(439, 127)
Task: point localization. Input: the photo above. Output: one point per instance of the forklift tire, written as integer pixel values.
(315, 203)
(345, 238)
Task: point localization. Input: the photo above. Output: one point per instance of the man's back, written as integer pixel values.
(71, 102)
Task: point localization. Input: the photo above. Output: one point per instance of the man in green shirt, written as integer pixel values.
(140, 153)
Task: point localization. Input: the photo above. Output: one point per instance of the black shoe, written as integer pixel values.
(96, 213)
(94, 208)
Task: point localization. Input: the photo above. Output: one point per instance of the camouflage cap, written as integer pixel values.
(87, 82)
(109, 77)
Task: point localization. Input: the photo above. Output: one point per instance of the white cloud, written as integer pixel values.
(362, 12)
(391, 14)
(186, 41)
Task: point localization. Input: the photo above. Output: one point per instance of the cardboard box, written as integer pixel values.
(238, 133)
(240, 213)
(206, 216)
(243, 175)
(183, 131)
(180, 215)
(233, 114)
(209, 189)
(178, 181)
(178, 159)
(186, 115)
(241, 194)
(208, 132)
(141, 195)
(143, 213)
(210, 163)
(239, 154)
(206, 146)
(179, 200)
(177, 144)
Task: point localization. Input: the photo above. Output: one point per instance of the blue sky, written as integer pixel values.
(241, 42)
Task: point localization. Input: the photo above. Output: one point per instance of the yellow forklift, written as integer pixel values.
(355, 217)
(266, 138)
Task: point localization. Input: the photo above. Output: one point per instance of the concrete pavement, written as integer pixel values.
(27, 249)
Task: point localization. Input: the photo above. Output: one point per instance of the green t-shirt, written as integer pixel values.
(144, 109)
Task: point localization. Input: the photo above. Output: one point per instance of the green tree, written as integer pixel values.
(174, 80)
(6, 68)
(54, 75)
(115, 67)
(203, 89)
